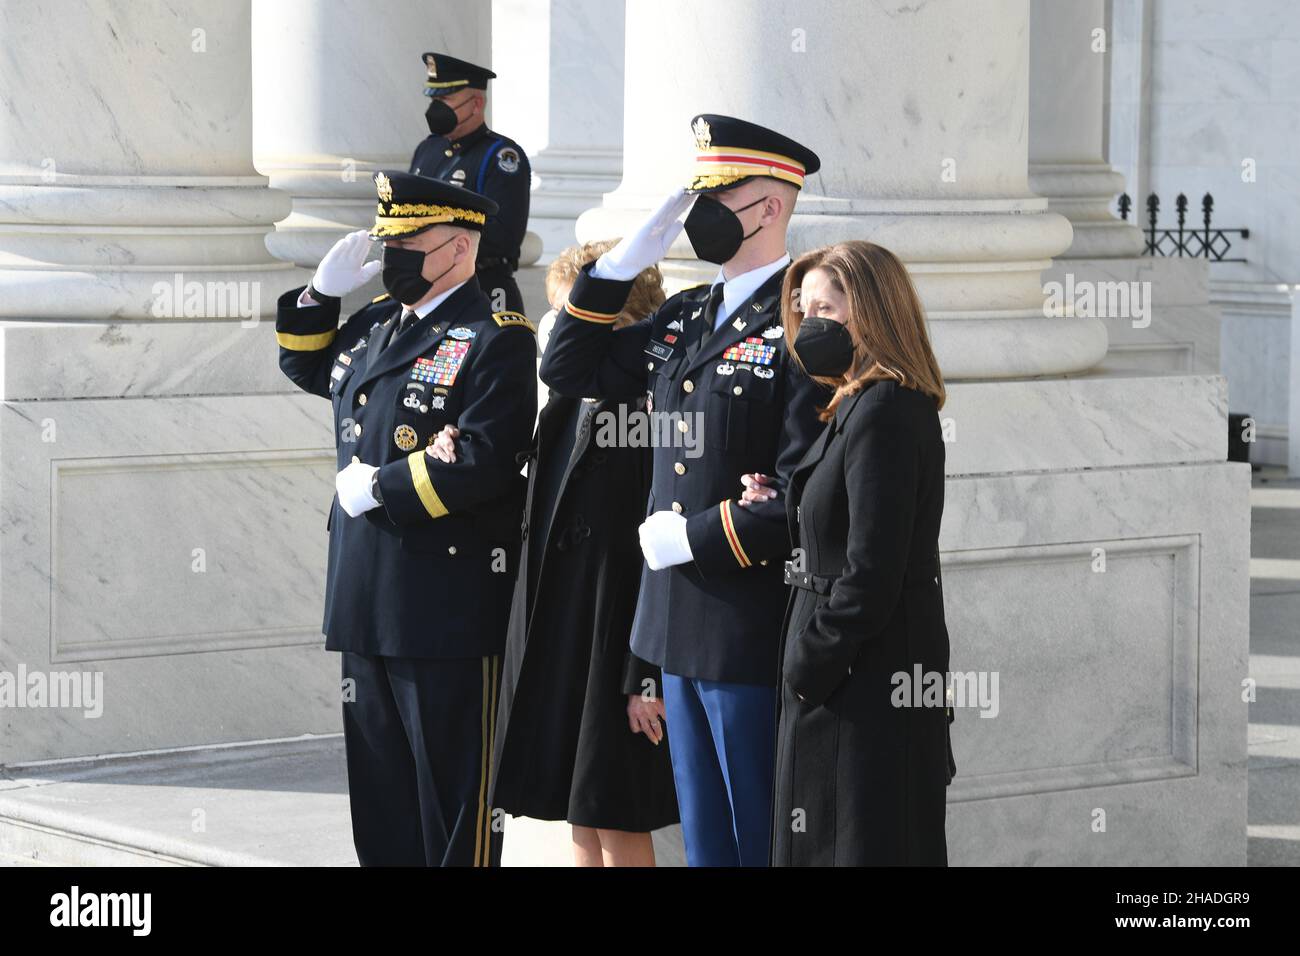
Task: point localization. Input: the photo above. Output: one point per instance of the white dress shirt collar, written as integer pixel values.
(436, 301)
(739, 288)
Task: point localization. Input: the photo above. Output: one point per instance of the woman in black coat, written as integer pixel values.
(863, 757)
(580, 734)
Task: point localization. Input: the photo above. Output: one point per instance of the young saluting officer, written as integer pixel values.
(421, 554)
(713, 361)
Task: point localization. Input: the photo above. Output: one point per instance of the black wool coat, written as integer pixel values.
(563, 747)
(860, 780)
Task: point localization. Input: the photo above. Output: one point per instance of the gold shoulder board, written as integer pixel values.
(504, 319)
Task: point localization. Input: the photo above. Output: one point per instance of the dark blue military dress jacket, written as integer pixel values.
(429, 573)
(491, 165)
(741, 402)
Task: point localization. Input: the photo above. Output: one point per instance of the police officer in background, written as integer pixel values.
(422, 554)
(713, 360)
(462, 150)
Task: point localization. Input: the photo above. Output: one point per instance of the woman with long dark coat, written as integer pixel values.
(863, 756)
(580, 734)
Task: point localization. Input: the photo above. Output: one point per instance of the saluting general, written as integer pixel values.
(462, 150)
(712, 362)
(421, 553)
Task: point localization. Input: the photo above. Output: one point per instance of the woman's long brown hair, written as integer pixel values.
(885, 319)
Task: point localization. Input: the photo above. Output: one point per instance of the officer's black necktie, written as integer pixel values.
(711, 308)
(407, 320)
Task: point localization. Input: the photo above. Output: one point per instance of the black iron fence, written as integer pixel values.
(1207, 242)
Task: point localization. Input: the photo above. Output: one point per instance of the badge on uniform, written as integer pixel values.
(462, 333)
(508, 160)
(670, 339)
(676, 325)
(659, 350)
(458, 177)
(446, 362)
(774, 332)
(752, 350)
(405, 438)
(412, 400)
(439, 402)
(726, 368)
(345, 359)
(762, 372)
(338, 372)
(739, 324)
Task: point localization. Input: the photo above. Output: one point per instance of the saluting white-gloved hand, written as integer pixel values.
(649, 243)
(353, 486)
(663, 540)
(344, 267)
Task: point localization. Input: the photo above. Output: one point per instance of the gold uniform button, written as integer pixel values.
(356, 429)
(649, 366)
(679, 468)
(361, 398)
(447, 152)
(688, 386)
(737, 390)
(451, 549)
(682, 426)
(677, 506)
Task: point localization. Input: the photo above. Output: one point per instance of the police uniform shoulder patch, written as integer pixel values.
(504, 319)
(380, 298)
(508, 159)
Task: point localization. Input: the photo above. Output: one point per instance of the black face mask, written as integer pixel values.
(441, 118)
(824, 346)
(401, 273)
(715, 231)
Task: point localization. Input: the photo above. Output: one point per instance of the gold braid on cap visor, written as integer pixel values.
(401, 218)
(720, 166)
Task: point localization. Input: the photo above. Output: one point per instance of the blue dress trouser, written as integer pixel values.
(723, 738)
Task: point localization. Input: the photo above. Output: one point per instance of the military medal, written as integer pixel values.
(446, 362)
(752, 350)
(405, 437)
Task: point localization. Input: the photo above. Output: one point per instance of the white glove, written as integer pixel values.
(663, 540)
(648, 244)
(344, 267)
(353, 486)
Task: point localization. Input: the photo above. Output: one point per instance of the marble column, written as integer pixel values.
(583, 156)
(1095, 542)
(931, 162)
(338, 93)
(1067, 77)
(1163, 319)
(162, 496)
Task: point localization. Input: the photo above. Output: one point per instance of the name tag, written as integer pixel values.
(659, 350)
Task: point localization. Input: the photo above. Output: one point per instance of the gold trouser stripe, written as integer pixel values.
(490, 729)
(305, 343)
(423, 486)
(480, 856)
